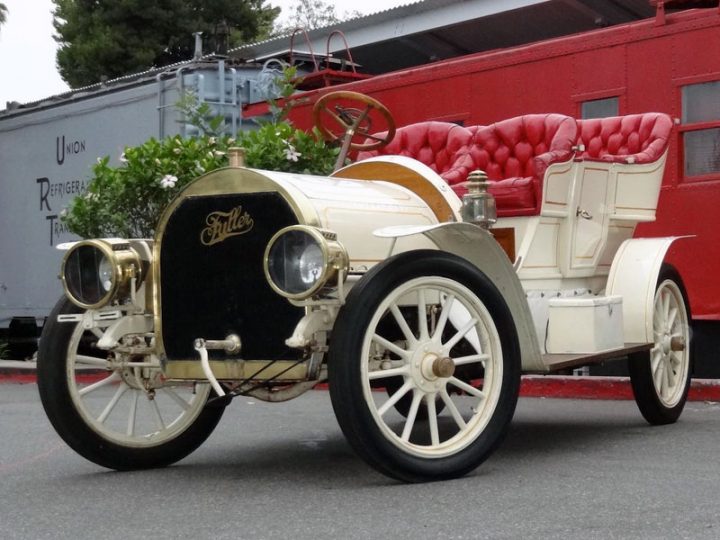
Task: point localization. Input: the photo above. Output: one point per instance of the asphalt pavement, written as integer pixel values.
(569, 469)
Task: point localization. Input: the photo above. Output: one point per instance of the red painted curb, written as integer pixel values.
(547, 386)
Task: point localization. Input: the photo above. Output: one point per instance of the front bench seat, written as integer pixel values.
(435, 144)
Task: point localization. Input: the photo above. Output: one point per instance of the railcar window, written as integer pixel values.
(600, 108)
(701, 128)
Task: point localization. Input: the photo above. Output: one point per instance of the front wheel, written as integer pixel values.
(435, 322)
(122, 418)
(661, 380)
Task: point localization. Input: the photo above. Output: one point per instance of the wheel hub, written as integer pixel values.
(672, 343)
(430, 369)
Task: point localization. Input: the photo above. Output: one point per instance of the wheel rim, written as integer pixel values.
(132, 407)
(453, 353)
(669, 358)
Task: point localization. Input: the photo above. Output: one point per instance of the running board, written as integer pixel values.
(559, 362)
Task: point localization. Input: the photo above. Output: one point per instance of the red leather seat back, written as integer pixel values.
(433, 143)
(515, 153)
(635, 138)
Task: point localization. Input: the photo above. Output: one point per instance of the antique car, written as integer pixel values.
(420, 309)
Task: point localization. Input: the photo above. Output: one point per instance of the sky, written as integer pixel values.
(27, 49)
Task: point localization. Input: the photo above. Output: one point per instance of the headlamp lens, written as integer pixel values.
(88, 274)
(295, 262)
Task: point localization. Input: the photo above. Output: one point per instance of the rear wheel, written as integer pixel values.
(119, 417)
(459, 349)
(661, 379)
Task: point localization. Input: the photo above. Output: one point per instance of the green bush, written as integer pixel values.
(127, 201)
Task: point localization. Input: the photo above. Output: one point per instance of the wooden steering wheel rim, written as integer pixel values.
(320, 106)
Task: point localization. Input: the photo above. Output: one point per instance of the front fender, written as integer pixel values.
(478, 246)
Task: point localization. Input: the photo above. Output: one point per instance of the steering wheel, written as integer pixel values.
(352, 113)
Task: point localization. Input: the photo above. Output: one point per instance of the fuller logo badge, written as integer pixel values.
(223, 225)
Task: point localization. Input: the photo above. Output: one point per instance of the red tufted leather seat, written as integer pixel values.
(515, 154)
(435, 144)
(635, 138)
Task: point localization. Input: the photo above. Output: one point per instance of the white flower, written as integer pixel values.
(123, 159)
(219, 153)
(177, 151)
(212, 140)
(168, 181)
(231, 141)
(90, 196)
(63, 212)
(291, 154)
(99, 160)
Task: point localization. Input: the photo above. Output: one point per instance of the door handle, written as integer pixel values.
(583, 214)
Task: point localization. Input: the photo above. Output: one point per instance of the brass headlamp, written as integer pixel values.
(96, 272)
(302, 261)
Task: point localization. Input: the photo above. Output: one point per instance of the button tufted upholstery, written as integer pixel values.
(515, 154)
(435, 144)
(635, 138)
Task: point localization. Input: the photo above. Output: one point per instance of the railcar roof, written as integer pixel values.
(418, 33)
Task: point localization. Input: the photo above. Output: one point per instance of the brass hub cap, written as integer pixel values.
(430, 369)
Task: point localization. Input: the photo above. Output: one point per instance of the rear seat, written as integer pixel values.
(634, 138)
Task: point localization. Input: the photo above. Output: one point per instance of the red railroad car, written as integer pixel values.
(670, 64)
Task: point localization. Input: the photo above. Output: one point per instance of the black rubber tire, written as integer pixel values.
(641, 377)
(344, 367)
(69, 424)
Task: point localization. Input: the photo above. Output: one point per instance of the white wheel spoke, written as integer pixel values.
(432, 419)
(659, 375)
(442, 321)
(422, 316)
(666, 305)
(390, 346)
(158, 417)
(92, 387)
(674, 360)
(185, 405)
(473, 358)
(384, 373)
(667, 379)
(397, 396)
(412, 414)
(466, 387)
(132, 414)
(91, 361)
(113, 402)
(672, 317)
(402, 323)
(453, 409)
(656, 357)
(460, 334)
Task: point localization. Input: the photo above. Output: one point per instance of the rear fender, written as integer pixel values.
(479, 248)
(633, 275)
